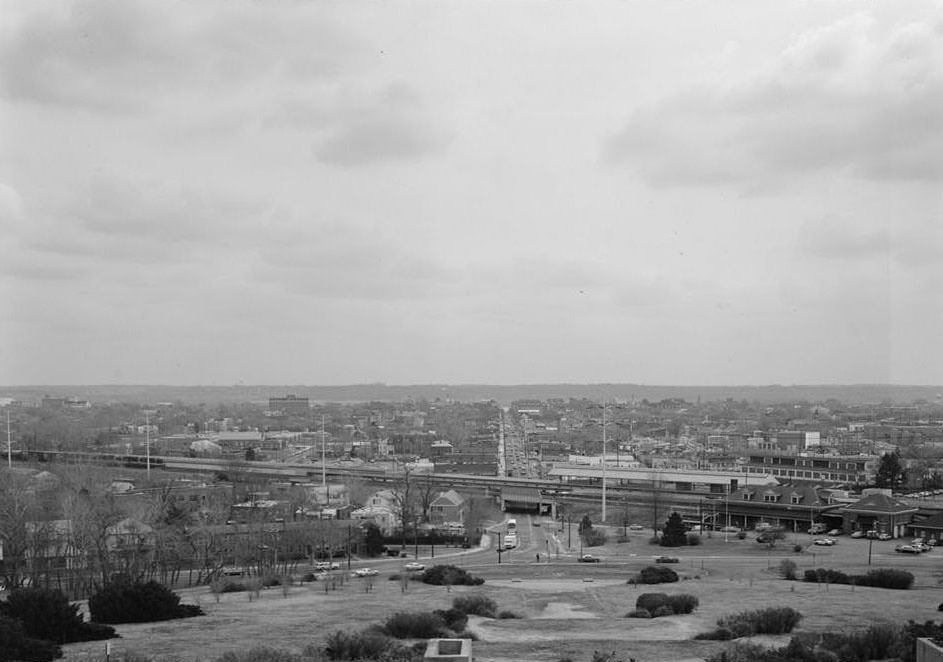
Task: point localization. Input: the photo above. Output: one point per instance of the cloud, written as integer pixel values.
(391, 125)
(128, 55)
(848, 97)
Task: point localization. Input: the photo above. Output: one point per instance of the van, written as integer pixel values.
(818, 527)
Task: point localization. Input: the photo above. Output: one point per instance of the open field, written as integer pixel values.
(568, 608)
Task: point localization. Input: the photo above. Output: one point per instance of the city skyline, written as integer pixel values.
(686, 194)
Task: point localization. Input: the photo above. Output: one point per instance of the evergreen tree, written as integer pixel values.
(890, 473)
(674, 533)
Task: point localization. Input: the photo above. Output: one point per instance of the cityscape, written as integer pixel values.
(304, 499)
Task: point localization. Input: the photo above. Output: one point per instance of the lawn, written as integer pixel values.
(567, 609)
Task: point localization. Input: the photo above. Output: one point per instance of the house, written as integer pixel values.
(878, 511)
(793, 506)
(448, 506)
(930, 527)
(381, 509)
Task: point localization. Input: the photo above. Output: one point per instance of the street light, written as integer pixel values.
(147, 438)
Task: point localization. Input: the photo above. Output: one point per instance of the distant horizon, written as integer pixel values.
(470, 383)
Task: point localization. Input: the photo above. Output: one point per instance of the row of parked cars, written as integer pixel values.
(916, 546)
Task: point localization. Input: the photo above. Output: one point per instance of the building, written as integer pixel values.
(817, 467)
(448, 506)
(290, 405)
(878, 511)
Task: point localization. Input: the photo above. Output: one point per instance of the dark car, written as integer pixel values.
(666, 559)
(588, 558)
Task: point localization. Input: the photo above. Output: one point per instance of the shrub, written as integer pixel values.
(683, 603)
(772, 620)
(141, 602)
(15, 644)
(651, 601)
(506, 614)
(477, 605)
(454, 619)
(886, 578)
(826, 575)
(48, 614)
(442, 575)
(664, 610)
(741, 535)
(797, 549)
(366, 645)
(639, 613)
(787, 569)
(654, 540)
(657, 574)
(259, 654)
(878, 642)
(694, 539)
(415, 625)
(594, 537)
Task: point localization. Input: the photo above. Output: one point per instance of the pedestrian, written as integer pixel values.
(538, 557)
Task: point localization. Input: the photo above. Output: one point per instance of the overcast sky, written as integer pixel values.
(490, 192)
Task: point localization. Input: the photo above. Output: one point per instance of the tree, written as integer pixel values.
(586, 524)
(373, 539)
(890, 473)
(674, 533)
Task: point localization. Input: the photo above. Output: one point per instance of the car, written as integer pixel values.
(666, 559)
(906, 549)
(321, 566)
(588, 558)
(857, 534)
(885, 536)
(636, 527)
(365, 572)
(834, 532)
(871, 534)
(414, 567)
(825, 542)
(932, 542)
(730, 529)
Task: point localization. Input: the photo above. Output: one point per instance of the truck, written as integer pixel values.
(818, 527)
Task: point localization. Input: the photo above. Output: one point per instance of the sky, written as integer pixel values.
(495, 192)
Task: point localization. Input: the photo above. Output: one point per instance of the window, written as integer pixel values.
(796, 499)
(769, 498)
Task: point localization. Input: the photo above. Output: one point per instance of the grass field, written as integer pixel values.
(568, 609)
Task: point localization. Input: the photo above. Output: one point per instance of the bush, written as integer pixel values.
(694, 539)
(772, 620)
(477, 605)
(15, 644)
(664, 610)
(886, 578)
(797, 549)
(787, 569)
(741, 535)
(454, 619)
(48, 614)
(366, 645)
(683, 603)
(415, 625)
(826, 576)
(639, 613)
(506, 614)
(651, 601)
(656, 574)
(442, 575)
(141, 602)
(594, 537)
(260, 654)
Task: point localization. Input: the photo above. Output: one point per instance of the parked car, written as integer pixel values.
(825, 542)
(885, 536)
(730, 529)
(834, 532)
(414, 567)
(666, 559)
(906, 549)
(636, 527)
(365, 572)
(857, 534)
(588, 558)
(321, 566)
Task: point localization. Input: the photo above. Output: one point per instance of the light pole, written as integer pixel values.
(604, 462)
(9, 443)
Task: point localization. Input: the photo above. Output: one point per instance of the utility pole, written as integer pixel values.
(9, 443)
(147, 439)
(604, 461)
(324, 464)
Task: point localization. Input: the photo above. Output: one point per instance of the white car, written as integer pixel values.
(414, 567)
(825, 542)
(365, 572)
(326, 565)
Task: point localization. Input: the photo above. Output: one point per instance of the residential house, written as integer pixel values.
(448, 506)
